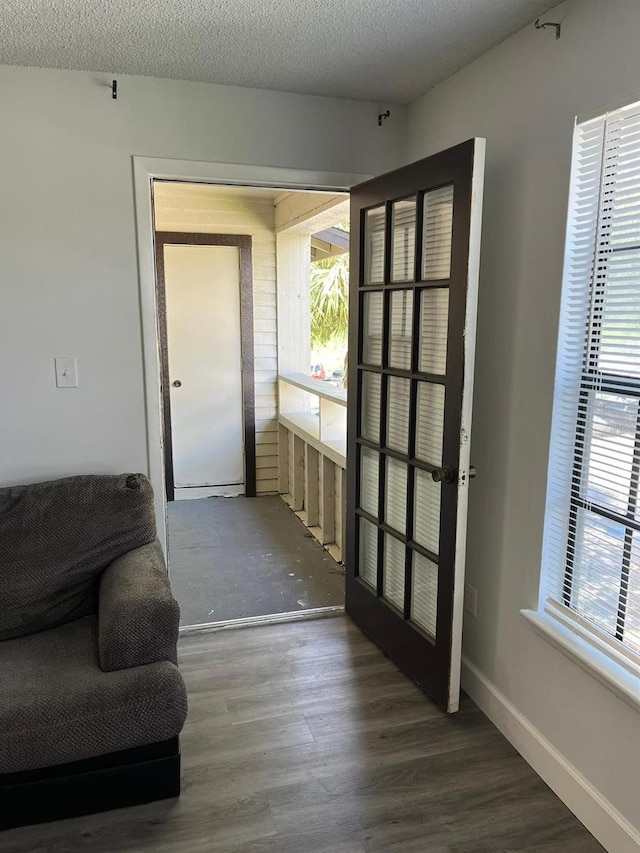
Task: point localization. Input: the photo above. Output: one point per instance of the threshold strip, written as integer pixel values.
(271, 619)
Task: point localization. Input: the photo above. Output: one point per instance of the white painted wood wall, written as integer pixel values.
(213, 210)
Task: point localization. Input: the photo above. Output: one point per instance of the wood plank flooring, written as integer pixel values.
(304, 738)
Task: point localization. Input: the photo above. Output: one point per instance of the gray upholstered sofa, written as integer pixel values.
(91, 700)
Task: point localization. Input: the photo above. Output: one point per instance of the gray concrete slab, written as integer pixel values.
(232, 558)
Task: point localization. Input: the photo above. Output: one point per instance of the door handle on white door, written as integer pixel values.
(176, 383)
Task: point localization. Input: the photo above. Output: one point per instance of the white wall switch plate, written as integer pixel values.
(66, 372)
(471, 599)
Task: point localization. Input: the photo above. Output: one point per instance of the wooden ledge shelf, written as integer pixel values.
(312, 456)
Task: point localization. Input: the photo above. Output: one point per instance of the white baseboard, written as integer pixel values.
(600, 817)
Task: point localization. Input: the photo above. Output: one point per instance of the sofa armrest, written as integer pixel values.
(138, 616)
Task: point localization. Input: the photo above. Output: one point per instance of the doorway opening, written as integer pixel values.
(413, 298)
(240, 402)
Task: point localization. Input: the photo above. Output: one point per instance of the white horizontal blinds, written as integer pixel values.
(374, 227)
(437, 233)
(597, 562)
(632, 625)
(398, 393)
(607, 426)
(369, 461)
(393, 571)
(619, 247)
(403, 240)
(576, 293)
(424, 593)
(591, 563)
(400, 328)
(370, 407)
(368, 553)
(426, 522)
(396, 494)
(434, 320)
(430, 423)
(372, 328)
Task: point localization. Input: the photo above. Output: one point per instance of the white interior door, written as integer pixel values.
(202, 286)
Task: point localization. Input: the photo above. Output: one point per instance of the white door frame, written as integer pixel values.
(145, 170)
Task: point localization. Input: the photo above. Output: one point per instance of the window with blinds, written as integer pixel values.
(591, 559)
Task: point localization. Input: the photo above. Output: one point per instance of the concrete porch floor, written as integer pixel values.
(231, 558)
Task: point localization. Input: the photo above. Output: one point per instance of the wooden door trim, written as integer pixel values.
(244, 243)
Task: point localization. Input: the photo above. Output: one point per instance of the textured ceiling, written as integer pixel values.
(378, 50)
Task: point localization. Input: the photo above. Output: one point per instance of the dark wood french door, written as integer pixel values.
(415, 236)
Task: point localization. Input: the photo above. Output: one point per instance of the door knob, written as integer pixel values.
(176, 383)
(449, 475)
(444, 475)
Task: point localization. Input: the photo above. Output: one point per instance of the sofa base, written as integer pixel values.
(127, 778)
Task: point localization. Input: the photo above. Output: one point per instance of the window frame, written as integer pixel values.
(605, 656)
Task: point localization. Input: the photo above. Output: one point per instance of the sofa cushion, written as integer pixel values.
(138, 617)
(56, 538)
(57, 705)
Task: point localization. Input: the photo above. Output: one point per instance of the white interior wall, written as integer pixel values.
(523, 97)
(68, 264)
(203, 209)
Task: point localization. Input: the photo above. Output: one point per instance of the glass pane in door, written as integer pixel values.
(437, 234)
(393, 571)
(403, 243)
(430, 423)
(396, 495)
(372, 328)
(369, 462)
(398, 393)
(427, 511)
(434, 321)
(400, 329)
(368, 559)
(370, 407)
(374, 228)
(424, 593)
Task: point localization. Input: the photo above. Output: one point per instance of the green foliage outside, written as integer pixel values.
(329, 300)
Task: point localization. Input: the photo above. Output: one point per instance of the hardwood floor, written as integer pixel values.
(304, 738)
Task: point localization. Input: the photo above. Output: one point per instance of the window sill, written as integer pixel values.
(622, 680)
